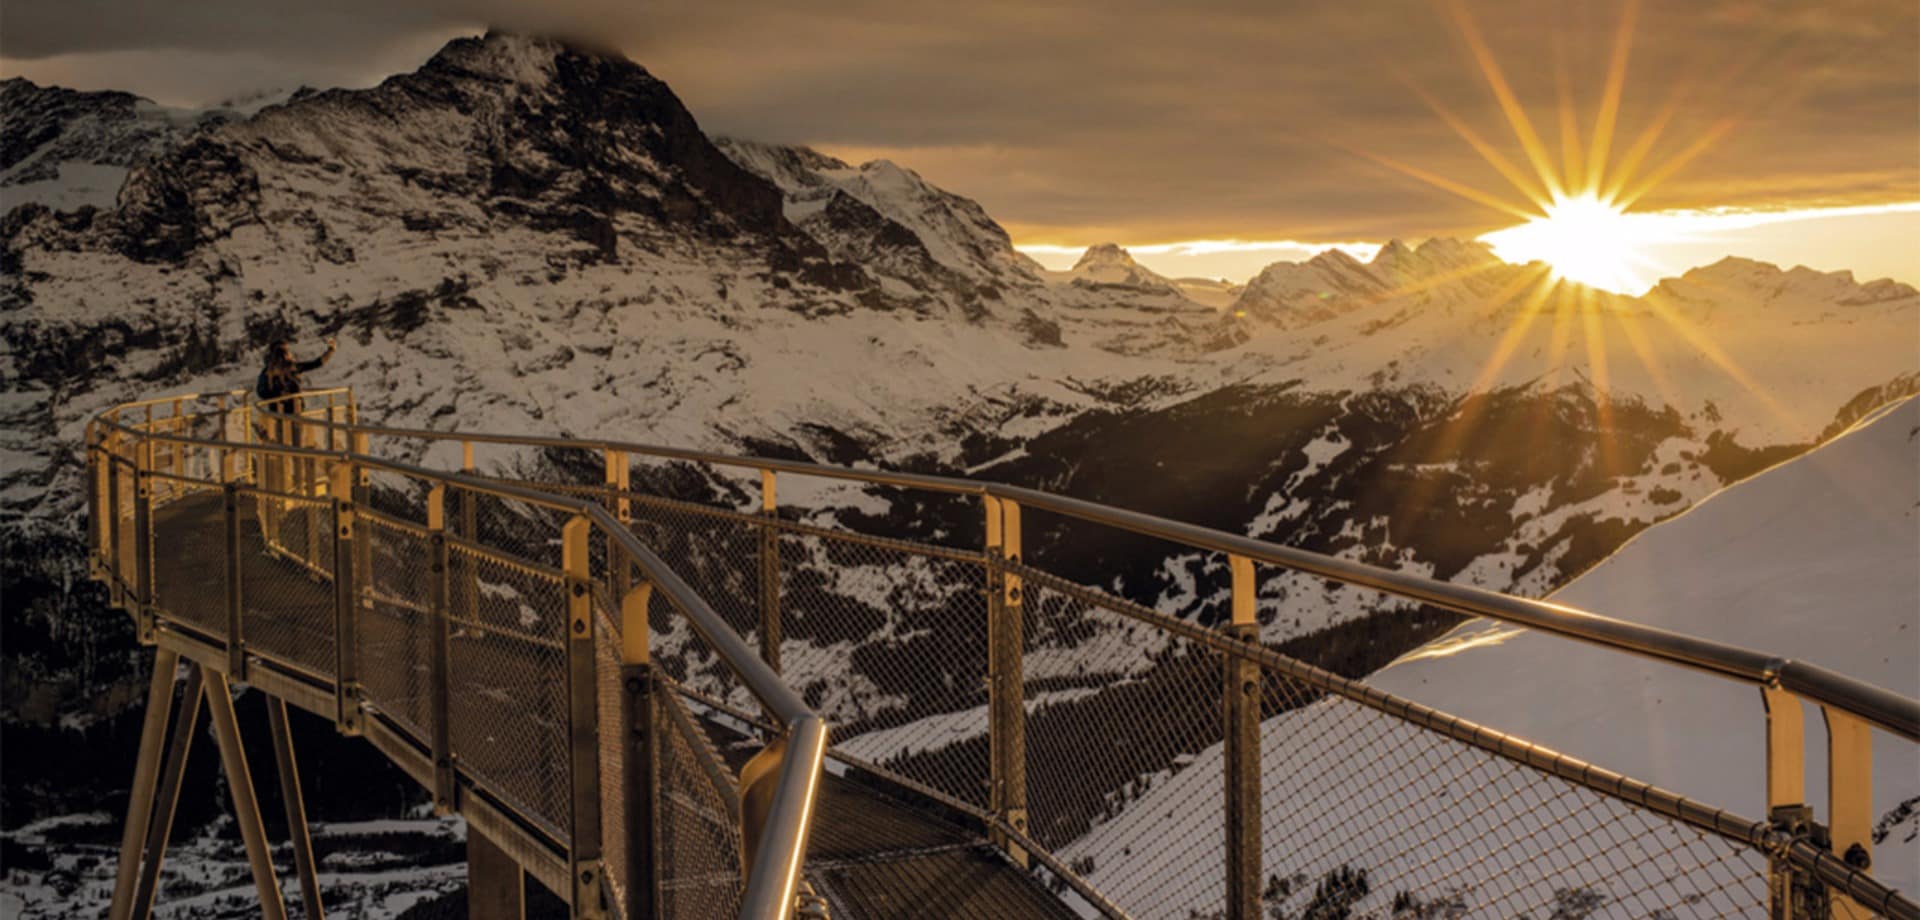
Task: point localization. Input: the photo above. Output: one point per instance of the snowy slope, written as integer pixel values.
(67, 149)
(1813, 559)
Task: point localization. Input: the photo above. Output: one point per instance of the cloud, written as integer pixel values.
(1144, 120)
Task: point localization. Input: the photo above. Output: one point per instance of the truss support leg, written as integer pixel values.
(167, 794)
(246, 807)
(296, 804)
(496, 886)
(146, 774)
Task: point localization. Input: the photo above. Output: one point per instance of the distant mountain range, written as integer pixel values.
(527, 236)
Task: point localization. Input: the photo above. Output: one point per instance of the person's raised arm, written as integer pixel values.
(332, 346)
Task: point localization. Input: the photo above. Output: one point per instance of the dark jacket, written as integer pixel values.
(283, 379)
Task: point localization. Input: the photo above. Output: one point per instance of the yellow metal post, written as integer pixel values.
(1241, 707)
(582, 719)
(1850, 798)
(771, 632)
(1006, 683)
(441, 700)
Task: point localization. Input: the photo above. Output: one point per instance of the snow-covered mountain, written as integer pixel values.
(527, 236)
(68, 149)
(1813, 559)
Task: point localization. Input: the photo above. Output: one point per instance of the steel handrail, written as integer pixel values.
(1882, 708)
(783, 839)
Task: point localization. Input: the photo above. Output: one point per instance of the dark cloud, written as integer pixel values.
(1147, 120)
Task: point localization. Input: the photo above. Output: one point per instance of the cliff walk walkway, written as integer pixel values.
(660, 692)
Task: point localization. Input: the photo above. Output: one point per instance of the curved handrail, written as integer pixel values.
(1880, 707)
(783, 838)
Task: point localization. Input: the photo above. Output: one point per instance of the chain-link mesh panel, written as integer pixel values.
(394, 623)
(716, 552)
(614, 740)
(1116, 712)
(887, 641)
(127, 540)
(286, 582)
(507, 674)
(1362, 813)
(190, 563)
(1364, 809)
(698, 860)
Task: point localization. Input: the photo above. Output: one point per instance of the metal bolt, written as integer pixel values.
(633, 685)
(1013, 595)
(579, 626)
(579, 589)
(1247, 688)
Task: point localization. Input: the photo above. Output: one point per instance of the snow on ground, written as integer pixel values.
(368, 869)
(1813, 559)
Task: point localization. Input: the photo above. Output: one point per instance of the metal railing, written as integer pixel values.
(1147, 764)
(489, 638)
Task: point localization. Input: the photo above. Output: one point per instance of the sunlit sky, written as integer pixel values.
(1169, 128)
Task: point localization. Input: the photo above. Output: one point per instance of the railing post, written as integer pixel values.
(1241, 718)
(143, 535)
(1006, 685)
(640, 761)
(621, 569)
(1792, 892)
(236, 644)
(771, 634)
(346, 600)
(442, 695)
(1849, 797)
(582, 719)
(115, 565)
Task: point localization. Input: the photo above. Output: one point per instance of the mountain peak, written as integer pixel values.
(1105, 254)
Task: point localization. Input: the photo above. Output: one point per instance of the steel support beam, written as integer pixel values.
(295, 801)
(1240, 697)
(246, 807)
(496, 885)
(146, 776)
(167, 794)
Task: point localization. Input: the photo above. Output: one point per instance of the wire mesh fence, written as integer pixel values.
(507, 663)
(1376, 814)
(286, 580)
(394, 623)
(887, 639)
(697, 818)
(1363, 811)
(194, 590)
(1117, 713)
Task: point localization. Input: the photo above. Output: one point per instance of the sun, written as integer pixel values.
(1584, 240)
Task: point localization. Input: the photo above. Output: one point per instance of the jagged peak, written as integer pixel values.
(1101, 254)
(511, 56)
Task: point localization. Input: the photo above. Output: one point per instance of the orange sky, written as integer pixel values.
(1144, 122)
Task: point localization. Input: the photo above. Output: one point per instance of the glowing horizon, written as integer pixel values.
(1677, 240)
